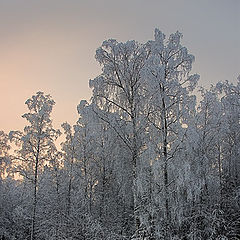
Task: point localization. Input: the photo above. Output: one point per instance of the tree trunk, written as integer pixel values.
(135, 187)
(220, 173)
(165, 157)
(35, 195)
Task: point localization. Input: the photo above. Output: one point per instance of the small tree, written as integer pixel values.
(34, 144)
(4, 157)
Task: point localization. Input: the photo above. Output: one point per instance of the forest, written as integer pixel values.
(152, 156)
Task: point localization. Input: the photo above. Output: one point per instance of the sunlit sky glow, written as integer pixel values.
(50, 45)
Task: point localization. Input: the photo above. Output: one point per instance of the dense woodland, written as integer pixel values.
(152, 156)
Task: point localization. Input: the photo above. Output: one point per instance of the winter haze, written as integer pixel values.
(123, 135)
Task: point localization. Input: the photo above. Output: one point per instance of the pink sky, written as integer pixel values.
(50, 45)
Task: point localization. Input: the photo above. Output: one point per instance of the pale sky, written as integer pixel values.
(49, 45)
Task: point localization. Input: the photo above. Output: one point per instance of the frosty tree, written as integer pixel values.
(169, 82)
(34, 144)
(4, 157)
(146, 83)
(119, 89)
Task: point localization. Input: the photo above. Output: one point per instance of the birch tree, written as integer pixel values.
(119, 89)
(170, 84)
(34, 143)
(230, 145)
(4, 154)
